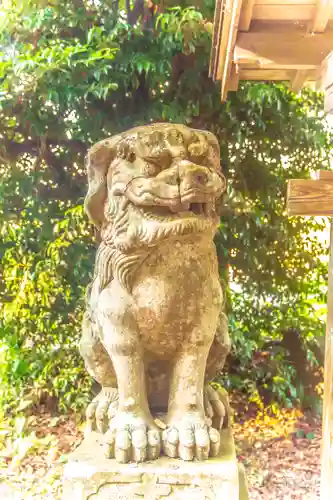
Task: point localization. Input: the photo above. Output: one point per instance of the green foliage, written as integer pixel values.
(46, 256)
(17, 442)
(72, 73)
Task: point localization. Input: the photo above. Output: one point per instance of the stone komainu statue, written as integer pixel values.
(154, 332)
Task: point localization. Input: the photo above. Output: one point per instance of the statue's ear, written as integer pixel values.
(98, 161)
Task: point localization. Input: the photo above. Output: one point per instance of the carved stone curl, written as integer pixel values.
(154, 332)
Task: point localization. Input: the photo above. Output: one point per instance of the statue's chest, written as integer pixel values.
(175, 273)
(174, 291)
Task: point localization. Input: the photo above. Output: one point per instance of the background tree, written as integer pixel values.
(77, 71)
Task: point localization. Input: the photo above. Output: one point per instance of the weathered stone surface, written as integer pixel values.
(155, 330)
(90, 476)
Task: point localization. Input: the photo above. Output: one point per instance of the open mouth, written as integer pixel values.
(196, 208)
(180, 211)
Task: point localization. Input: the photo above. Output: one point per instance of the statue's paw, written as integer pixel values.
(101, 410)
(131, 438)
(217, 408)
(191, 438)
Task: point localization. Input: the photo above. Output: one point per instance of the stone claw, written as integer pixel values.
(190, 438)
(217, 407)
(101, 410)
(131, 438)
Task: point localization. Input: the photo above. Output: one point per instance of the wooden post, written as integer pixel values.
(327, 82)
(327, 443)
(315, 197)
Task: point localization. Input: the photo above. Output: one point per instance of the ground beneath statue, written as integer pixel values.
(281, 455)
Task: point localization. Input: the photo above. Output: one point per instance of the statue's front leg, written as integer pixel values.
(99, 365)
(132, 433)
(188, 434)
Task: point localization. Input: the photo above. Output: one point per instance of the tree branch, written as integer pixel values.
(31, 146)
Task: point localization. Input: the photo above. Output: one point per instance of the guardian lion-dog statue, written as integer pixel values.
(155, 332)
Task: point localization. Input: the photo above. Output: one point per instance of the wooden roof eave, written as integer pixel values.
(261, 40)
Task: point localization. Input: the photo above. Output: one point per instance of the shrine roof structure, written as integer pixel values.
(271, 40)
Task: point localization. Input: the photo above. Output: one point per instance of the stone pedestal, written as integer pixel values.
(89, 475)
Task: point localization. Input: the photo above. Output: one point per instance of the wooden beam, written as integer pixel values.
(310, 197)
(325, 79)
(284, 12)
(323, 13)
(280, 28)
(294, 50)
(223, 42)
(327, 440)
(328, 100)
(286, 2)
(326, 83)
(298, 80)
(265, 75)
(216, 41)
(246, 15)
(325, 175)
(247, 58)
(229, 33)
(234, 78)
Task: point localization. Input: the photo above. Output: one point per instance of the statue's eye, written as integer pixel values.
(198, 149)
(158, 160)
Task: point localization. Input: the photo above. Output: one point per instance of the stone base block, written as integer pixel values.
(88, 475)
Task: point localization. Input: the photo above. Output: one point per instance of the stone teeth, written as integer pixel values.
(185, 212)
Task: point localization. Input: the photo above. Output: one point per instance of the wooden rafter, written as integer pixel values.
(222, 65)
(246, 15)
(228, 41)
(299, 79)
(326, 82)
(284, 10)
(234, 77)
(265, 75)
(271, 40)
(292, 51)
(328, 102)
(325, 77)
(324, 11)
(216, 45)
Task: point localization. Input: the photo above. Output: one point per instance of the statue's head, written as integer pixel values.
(153, 182)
